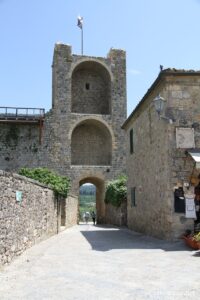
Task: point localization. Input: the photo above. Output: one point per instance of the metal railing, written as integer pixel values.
(21, 113)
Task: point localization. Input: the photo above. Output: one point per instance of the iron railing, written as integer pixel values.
(21, 113)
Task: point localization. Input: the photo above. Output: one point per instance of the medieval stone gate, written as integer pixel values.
(81, 135)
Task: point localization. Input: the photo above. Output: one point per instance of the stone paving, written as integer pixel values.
(97, 262)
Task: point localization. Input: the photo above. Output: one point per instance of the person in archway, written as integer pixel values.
(93, 215)
(83, 217)
(87, 216)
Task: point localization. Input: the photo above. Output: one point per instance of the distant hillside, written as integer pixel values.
(88, 190)
(87, 200)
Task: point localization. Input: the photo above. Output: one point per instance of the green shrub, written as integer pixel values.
(59, 184)
(116, 191)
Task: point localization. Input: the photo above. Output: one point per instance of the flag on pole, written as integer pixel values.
(80, 22)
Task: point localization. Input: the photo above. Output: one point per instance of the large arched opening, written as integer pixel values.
(91, 89)
(99, 205)
(91, 144)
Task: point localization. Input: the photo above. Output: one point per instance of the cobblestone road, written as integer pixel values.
(93, 262)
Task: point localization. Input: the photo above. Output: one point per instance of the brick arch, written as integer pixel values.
(91, 88)
(91, 144)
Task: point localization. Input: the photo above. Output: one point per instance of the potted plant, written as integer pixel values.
(190, 240)
(197, 239)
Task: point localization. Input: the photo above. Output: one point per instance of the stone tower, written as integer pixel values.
(81, 136)
(88, 109)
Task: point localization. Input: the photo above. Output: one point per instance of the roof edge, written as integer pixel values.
(161, 76)
(155, 83)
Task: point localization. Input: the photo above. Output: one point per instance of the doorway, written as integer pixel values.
(87, 200)
(91, 197)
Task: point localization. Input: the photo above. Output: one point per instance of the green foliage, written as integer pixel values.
(59, 184)
(87, 200)
(116, 191)
(86, 203)
(197, 237)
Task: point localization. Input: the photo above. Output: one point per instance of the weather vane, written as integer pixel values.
(80, 25)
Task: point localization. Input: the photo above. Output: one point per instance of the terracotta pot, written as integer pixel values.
(198, 244)
(191, 243)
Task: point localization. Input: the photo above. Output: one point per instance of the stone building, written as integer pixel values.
(161, 166)
(81, 135)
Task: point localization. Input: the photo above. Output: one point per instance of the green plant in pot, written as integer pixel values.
(197, 237)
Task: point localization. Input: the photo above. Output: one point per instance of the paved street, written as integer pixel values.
(94, 262)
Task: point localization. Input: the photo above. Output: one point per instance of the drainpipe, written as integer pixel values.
(57, 202)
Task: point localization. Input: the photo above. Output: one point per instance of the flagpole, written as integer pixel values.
(80, 25)
(82, 40)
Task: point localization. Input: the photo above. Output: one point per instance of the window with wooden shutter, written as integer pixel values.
(133, 200)
(131, 142)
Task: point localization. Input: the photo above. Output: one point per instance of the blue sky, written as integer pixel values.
(152, 32)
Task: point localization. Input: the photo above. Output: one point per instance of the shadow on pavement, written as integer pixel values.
(196, 254)
(105, 238)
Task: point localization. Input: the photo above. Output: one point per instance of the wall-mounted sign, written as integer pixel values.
(190, 207)
(18, 196)
(185, 137)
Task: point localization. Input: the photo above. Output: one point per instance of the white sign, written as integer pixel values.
(190, 212)
(18, 196)
(185, 137)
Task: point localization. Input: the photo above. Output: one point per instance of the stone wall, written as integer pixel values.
(94, 140)
(90, 91)
(71, 211)
(148, 173)
(183, 106)
(97, 153)
(117, 215)
(66, 146)
(156, 166)
(19, 146)
(36, 217)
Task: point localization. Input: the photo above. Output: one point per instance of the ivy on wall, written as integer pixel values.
(116, 191)
(59, 184)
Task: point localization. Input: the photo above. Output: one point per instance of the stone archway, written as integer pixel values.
(91, 88)
(91, 144)
(100, 195)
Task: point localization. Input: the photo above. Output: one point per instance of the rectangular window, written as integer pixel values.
(179, 200)
(131, 142)
(133, 200)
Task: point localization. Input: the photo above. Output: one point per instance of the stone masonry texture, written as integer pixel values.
(82, 136)
(36, 217)
(26, 222)
(156, 165)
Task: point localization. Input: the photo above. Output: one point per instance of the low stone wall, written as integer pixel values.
(34, 217)
(71, 211)
(116, 215)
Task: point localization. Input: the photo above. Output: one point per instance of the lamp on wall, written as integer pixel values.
(159, 104)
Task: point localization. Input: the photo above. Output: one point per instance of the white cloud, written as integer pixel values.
(134, 72)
